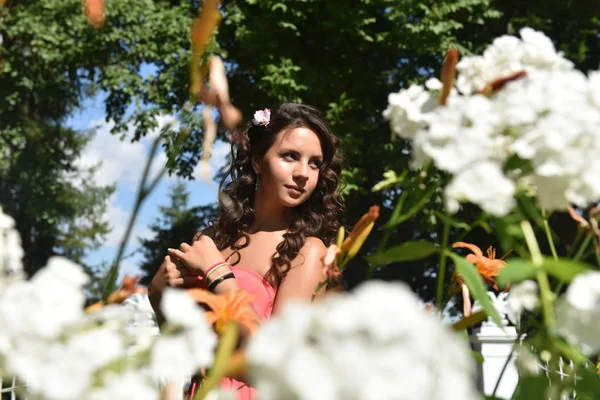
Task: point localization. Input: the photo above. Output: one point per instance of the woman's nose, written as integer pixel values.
(301, 171)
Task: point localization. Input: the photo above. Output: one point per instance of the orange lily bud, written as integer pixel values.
(362, 224)
(94, 9)
(448, 73)
(499, 83)
(202, 29)
(340, 237)
(360, 240)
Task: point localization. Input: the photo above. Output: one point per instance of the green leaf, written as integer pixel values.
(474, 282)
(407, 251)
(414, 208)
(531, 388)
(478, 357)
(564, 269)
(516, 270)
(452, 221)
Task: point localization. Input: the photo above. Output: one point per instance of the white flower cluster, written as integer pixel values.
(60, 352)
(578, 313)
(374, 343)
(538, 132)
(11, 252)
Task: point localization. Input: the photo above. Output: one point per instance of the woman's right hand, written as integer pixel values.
(170, 274)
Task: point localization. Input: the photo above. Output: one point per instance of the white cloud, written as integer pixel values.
(122, 161)
(118, 218)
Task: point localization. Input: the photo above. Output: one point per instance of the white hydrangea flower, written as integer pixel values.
(128, 386)
(578, 312)
(522, 296)
(374, 343)
(537, 133)
(11, 252)
(48, 303)
(407, 110)
(180, 309)
(483, 184)
(508, 55)
(184, 353)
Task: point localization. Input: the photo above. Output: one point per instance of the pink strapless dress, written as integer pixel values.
(264, 299)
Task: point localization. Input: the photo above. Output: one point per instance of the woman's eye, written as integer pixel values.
(315, 164)
(289, 156)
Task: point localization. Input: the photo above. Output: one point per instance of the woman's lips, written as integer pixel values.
(295, 190)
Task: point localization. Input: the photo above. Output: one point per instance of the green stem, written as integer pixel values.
(547, 298)
(395, 214)
(227, 345)
(583, 246)
(113, 273)
(575, 243)
(542, 278)
(319, 286)
(549, 235)
(532, 244)
(580, 253)
(442, 270)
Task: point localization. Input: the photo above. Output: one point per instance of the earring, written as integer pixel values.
(257, 184)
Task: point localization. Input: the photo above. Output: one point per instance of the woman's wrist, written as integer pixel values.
(213, 269)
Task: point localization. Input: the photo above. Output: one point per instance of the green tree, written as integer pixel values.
(51, 60)
(177, 223)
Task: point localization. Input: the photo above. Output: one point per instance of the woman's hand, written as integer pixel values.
(198, 257)
(170, 274)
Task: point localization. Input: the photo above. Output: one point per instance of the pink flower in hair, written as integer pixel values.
(262, 117)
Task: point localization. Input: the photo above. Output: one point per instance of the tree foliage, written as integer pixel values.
(343, 59)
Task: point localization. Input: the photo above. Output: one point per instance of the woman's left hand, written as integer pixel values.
(200, 256)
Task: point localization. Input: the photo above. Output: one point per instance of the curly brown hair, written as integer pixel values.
(316, 217)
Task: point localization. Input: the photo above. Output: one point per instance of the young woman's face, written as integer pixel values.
(289, 171)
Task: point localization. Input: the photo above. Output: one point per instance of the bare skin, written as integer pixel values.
(288, 173)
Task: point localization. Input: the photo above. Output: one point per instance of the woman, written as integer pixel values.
(278, 212)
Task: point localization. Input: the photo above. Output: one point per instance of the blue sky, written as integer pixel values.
(122, 163)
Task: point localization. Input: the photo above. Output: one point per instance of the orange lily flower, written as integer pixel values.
(225, 308)
(488, 267)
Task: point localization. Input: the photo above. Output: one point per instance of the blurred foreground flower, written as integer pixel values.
(578, 313)
(94, 10)
(376, 342)
(226, 308)
(11, 252)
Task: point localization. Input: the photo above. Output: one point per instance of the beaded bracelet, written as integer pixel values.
(213, 284)
(213, 268)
